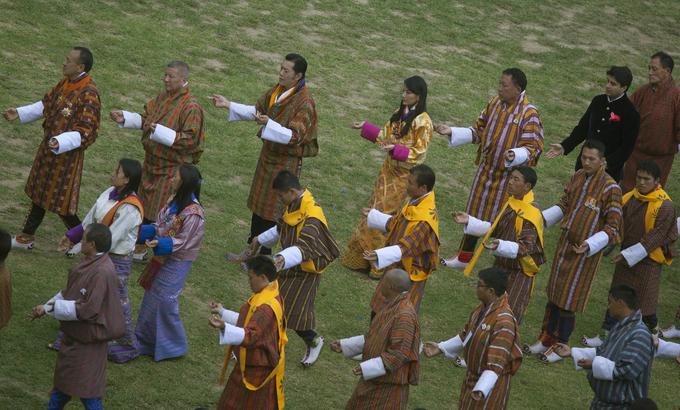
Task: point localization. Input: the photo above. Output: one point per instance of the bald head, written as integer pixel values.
(398, 279)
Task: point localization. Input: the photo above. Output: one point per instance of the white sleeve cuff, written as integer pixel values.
(521, 156)
(292, 256)
(50, 309)
(603, 368)
(352, 346)
(378, 220)
(678, 224)
(476, 227)
(31, 112)
(552, 215)
(232, 335)
(67, 141)
(597, 242)
(275, 132)
(241, 112)
(578, 353)
(634, 254)
(388, 255)
(65, 310)
(506, 249)
(452, 347)
(370, 369)
(132, 120)
(229, 316)
(667, 350)
(164, 135)
(269, 238)
(460, 136)
(486, 382)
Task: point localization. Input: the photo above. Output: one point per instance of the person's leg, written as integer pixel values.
(58, 400)
(551, 320)
(70, 220)
(307, 336)
(93, 404)
(652, 322)
(259, 225)
(24, 239)
(565, 325)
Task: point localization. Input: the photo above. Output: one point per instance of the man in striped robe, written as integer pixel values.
(590, 215)
(389, 350)
(308, 248)
(172, 134)
(287, 116)
(412, 237)
(490, 343)
(509, 133)
(70, 113)
(619, 370)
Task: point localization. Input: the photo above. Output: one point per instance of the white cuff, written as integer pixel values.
(292, 256)
(370, 369)
(241, 112)
(521, 156)
(603, 368)
(678, 224)
(388, 255)
(460, 136)
(50, 309)
(352, 346)
(229, 316)
(132, 121)
(476, 227)
(269, 238)
(275, 132)
(506, 249)
(31, 112)
(65, 310)
(597, 242)
(578, 353)
(378, 220)
(232, 335)
(552, 215)
(164, 135)
(452, 347)
(667, 350)
(486, 382)
(67, 141)
(634, 254)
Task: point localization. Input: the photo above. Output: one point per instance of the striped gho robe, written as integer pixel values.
(621, 367)
(297, 113)
(54, 181)
(501, 127)
(181, 112)
(591, 208)
(394, 337)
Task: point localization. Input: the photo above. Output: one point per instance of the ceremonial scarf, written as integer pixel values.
(424, 211)
(654, 199)
(279, 89)
(308, 209)
(132, 199)
(69, 86)
(525, 210)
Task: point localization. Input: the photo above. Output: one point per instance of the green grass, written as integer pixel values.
(359, 53)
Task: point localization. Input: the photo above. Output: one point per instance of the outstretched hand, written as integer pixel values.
(216, 308)
(357, 124)
(117, 116)
(11, 114)
(461, 217)
(336, 347)
(555, 151)
(431, 349)
(443, 129)
(219, 101)
(563, 350)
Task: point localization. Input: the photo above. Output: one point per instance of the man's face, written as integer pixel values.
(287, 75)
(616, 308)
(87, 247)
(256, 282)
(483, 291)
(613, 88)
(657, 74)
(173, 80)
(516, 185)
(507, 90)
(409, 98)
(412, 188)
(591, 160)
(72, 66)
(645, 183)
(287, 197)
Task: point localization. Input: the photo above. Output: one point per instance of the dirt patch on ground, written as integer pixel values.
(214, 65)
(531, 45)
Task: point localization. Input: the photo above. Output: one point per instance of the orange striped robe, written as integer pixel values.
(589, 204)
(54, 181)
(499, 128)
(297, 113)
(181, 112)
(494, 345)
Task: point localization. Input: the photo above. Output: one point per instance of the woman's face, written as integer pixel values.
(409, 98)
(118, 178)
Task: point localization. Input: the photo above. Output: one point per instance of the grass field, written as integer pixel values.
(359, 52)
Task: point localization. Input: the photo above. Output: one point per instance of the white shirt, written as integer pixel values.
(124, 227)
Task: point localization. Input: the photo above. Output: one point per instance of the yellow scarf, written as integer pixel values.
(425, 211)
(308, 209)
(277, 91)
(655, 200)
(525, 210)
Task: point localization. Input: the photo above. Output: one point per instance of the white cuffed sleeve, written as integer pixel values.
(452, 347)
(552, 215)
(31, 112)
(269, 238)
(65, 310)
(460, 136)
(132, 121)
(486, 382)
(241, 112)
(506, 249)
(229, 316)
(232, 335)
(578, 353)
(67, 141)
(276, 132)
(597, 242)
(521, 156)
(388, 255)
(667, 350)
(377, 220)
(634, 254)
(292, 256)
(352, 346)
(603, 368)
(476, 227)
(370, 369)
(50, 309)
(164, 135)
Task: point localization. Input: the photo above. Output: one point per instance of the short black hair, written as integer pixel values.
(495, 278)
(665, 59)
(181, 66)
(528, 173)
(622, 75)
(424, 176)
(86, 58)
(644, 403)
(626, 294)
(595, 144)
(286, 180)
(518, 77)
(191, 185)
(299, 63)
(133, 170)
(262, 265)
(5, 244)
(650, 167)
(100, 235)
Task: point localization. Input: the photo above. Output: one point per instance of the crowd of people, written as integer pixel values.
(152, 213)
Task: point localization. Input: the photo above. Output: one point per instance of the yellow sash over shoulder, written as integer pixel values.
(424, 211)
(654, 199)
(308, 209)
